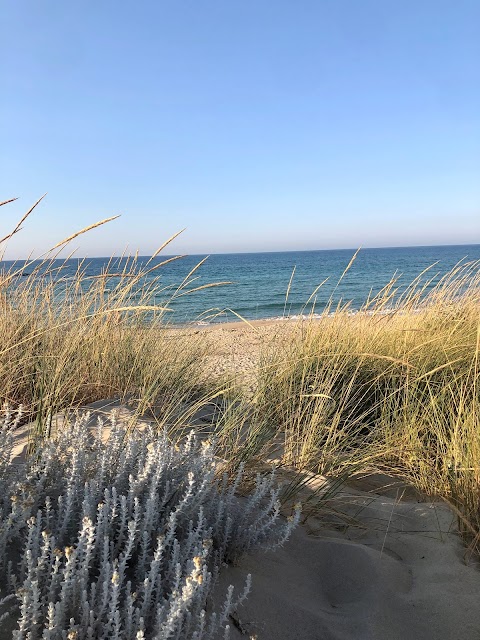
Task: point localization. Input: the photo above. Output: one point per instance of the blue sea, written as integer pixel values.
(259, 281)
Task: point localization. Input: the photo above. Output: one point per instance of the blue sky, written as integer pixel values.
(258, 125)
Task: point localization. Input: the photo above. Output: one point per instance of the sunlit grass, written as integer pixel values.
(68, 340)
(394, 387)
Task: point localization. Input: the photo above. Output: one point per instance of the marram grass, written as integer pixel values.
(68, 340)
(395, 387)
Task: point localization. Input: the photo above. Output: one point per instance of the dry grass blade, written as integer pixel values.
(195, 268)
(349, 265)
(165, 244)
(25, 216)
(379, 356)
(10, 235)
(7, 201)
(288, 290)
(202, 287)
(138, 308)
(82, 231)
(22, 220)
(240, 317)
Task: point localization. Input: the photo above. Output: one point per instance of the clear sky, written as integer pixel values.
(257, 124)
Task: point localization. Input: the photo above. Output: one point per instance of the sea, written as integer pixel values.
(277, 285)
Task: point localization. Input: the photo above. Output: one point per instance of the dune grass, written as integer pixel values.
(68, 339)
(395, 387)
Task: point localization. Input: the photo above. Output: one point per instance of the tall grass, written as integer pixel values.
(394, 387)
(68, 339)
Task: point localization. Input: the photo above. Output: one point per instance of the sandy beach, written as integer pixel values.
(234, 348)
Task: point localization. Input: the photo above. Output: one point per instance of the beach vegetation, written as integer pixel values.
(394, 387)
(123, 537)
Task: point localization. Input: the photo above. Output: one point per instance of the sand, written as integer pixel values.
(399, 574)
(397, 571)
(235, 347)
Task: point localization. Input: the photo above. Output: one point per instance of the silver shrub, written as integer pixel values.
(123, 538)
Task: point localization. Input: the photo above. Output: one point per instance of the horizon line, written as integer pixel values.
(233, 253)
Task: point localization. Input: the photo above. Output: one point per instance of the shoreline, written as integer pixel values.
(294, 319)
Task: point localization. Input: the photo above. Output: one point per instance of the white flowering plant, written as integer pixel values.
(123, 537)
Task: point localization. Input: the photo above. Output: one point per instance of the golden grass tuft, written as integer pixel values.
(394, 387)
(67, 339)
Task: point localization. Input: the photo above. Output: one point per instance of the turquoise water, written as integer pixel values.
(259, 281)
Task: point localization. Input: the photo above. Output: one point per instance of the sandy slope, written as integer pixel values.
(399, 574)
